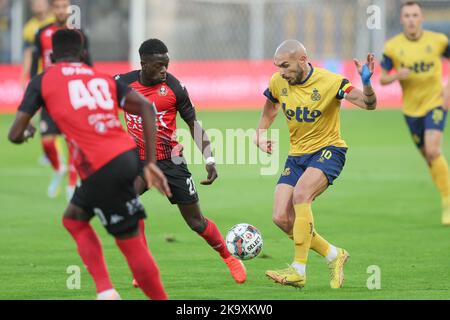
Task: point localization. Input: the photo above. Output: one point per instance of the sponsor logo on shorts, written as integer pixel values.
(44, 126)
(416, 138)
(134, 206)
(115, 219)
(438, 116)
(286, 172)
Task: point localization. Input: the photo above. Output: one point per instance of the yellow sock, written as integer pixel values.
(303, 231)
(320, 245)
(440, 175)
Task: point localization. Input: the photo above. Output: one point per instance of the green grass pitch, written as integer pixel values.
(383, 209)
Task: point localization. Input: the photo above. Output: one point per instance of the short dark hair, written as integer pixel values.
(411, 3)
(152, 46)
(67, 43)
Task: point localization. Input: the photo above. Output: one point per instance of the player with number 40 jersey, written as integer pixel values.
(84, 104)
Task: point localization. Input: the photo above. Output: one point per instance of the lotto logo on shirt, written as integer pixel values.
(419, 67)
(301, 114)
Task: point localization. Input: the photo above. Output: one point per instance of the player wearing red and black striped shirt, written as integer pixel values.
(49, 130)
(171, 97)
(84, 104)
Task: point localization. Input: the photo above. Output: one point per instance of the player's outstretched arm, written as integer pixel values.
(365, 99)
(21, 130)
(138, 105)
(386, 78)
(203, 143)
(270, 112)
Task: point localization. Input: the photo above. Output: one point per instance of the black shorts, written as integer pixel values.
(109, 193)
(46, 125)
(180, 182)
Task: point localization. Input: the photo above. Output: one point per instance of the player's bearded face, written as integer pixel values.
(60, 9)
(300, 73)
(293, 74)
(292, 68)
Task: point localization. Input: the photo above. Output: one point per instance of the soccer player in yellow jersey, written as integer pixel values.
(416, 55)
(310, 99)
(41, 17)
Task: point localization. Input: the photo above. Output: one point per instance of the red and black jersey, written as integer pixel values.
(169, 98)
(43, 47)
(84, 105)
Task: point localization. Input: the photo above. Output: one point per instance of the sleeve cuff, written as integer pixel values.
(269, 96)
(386, 63)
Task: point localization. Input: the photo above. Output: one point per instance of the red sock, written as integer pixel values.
(50, 150)
(143, 266)
(73, 175)
(214, 238)
(142, 231)
(90, 250)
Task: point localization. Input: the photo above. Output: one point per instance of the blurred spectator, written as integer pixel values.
(41, 17)
(5, 31)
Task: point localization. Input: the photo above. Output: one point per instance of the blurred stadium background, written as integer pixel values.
(384, 208)
(221, 49)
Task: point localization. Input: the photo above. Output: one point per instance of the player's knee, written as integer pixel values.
(432, 153)
(281, 220)
(302, 195)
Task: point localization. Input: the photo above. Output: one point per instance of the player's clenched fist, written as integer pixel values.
(266, 145)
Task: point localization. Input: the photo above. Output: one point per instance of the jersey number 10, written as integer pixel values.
(95, 95)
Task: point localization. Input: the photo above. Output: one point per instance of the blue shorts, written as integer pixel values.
(329, 160)
(433, 120)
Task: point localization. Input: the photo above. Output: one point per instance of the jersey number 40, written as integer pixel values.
(96, 94)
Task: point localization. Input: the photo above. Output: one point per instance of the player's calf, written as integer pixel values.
(142, 265)
(90, 251)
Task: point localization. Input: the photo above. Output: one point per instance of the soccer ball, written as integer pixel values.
(244, 241)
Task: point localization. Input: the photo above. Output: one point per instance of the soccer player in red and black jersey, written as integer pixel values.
(49, 130)
(171, 97)
(84, 104)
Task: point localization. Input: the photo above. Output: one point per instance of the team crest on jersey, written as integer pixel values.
(316, 95)
(284, 92)
(429, 49)
(163, 91)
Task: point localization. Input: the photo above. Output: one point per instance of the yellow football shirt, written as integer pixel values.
(311, 109)
(422, 90)
(32, 27)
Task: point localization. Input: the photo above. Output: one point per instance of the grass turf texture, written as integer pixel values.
(383, 209)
